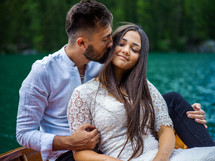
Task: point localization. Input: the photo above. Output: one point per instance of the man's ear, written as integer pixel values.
(82, 42)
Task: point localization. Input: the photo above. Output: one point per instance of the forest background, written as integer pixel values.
(37, 26)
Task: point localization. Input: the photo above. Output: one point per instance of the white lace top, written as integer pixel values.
(90, 103)
(98, 107)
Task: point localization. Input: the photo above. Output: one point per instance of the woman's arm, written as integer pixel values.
(166, 143)
(163, 125)
(89, 155)
(78, 114)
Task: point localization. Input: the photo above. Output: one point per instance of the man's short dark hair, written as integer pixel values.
(86, 16)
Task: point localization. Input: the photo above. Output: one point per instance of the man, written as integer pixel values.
(45, 92)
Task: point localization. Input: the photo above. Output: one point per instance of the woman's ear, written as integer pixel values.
(82, 42)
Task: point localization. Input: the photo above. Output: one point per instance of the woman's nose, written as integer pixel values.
(125, 49)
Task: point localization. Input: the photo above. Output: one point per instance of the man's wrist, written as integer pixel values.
(62, 143)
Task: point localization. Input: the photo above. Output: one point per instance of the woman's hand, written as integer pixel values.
(198, 114)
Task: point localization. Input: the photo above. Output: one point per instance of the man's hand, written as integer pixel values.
(198, 114)
(85, 137)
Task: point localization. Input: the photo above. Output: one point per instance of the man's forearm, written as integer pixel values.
(66, 143)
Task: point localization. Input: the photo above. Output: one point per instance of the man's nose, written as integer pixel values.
(110, 44)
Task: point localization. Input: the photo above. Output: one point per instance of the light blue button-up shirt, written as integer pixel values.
(44, 97)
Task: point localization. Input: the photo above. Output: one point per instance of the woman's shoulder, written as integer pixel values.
(150, 85)
(88, 87)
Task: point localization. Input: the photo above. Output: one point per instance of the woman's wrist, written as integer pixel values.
(162, 156)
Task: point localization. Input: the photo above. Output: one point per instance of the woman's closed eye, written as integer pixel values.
(121, 44)
(135, 50)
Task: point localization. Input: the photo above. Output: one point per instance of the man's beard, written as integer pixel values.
(92, 54)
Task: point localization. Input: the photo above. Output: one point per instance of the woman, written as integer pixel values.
(126, 108)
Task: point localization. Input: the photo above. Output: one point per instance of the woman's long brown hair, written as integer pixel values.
(137, 97)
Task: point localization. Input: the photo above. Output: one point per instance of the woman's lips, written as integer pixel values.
(124, 57)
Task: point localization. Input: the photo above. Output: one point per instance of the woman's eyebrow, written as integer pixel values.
(136, 44)
(124, 39)
(132, 43)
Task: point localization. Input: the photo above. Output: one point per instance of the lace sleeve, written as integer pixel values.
(160, 108)
(78, 112)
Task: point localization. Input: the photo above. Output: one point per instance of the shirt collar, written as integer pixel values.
(65, 56)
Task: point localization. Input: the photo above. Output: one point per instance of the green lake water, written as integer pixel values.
(191, 75)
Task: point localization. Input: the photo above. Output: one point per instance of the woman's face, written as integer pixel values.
(127, 52)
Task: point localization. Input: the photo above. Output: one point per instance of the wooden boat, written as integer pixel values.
(21, 154)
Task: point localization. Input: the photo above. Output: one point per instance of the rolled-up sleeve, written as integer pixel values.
(33, 101)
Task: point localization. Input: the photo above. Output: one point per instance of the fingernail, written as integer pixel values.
(189, 115)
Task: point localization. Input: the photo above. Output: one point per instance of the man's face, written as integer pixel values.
(100, 45)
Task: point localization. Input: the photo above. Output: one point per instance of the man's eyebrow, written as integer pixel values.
(132, 43)
(108, 35)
